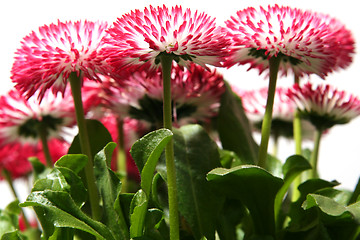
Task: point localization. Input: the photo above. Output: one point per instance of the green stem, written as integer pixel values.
(121, 157)
(315, 154)
(274, 63)
(166, 63)
(8, 178)
(297, 132)
(276, 144)
(355, 193)
(75, 83)
(43, 137)
(298, 150)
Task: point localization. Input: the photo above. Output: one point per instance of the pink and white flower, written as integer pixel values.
(254, 104)
(324, 105)
(307, 42)
(20, 117)
(48, 56)
(14, 156)
(195, 94)
(138, 37)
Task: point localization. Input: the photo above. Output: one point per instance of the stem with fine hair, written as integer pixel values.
(121, 157)
(274, 63)
(75, 83)
(9, 180)
(166, 63)
(45, 146)
(298, 146)
(315, 154)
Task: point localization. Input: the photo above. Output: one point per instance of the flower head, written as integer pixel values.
(254, 104)
(307, 42)
(20, 119)
(48, 56)
(14, 156)
(324, 105)
(139, 37)
(195, 94)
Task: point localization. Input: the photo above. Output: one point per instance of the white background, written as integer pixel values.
(339, 150)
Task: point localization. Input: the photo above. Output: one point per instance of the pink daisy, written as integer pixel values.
(48, 56)
(307, 42)
(14, 156)
(195, 94)
(254, 104)
(21, 118)
(324, 105)
(139, 37)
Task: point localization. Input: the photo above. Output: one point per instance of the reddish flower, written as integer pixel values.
(14, 156)
(196, 94)
(324, 105)
(48, 56)
(307, 42)
(137, 38)
(21, 118)
(254, 104)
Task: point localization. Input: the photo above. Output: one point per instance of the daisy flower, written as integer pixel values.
(324, 105)
(195, 94)
(21, 118)
(14, 156)
(140, 37)
(48, 56)
(307, 42)
(254, 104)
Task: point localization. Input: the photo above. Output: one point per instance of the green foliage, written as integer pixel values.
(146, 152)
(99, 136)
(255, 188)
(195, 155)
(234, 128)
(109, 186)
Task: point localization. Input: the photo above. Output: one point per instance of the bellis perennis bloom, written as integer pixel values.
(48, 56)
(307, 42)
(254, 103)
(14, 156)
(324, 105)
(21, 118)
(195, 94)
(137, 38)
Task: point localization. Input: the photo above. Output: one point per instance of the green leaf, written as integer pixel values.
(138, 210)
(146, 152)
(39, 169)
(63, 234)
(332, 208)
(340, 221)
(109, 186)
(292, 168)
(256, 188)
(99, 136)
(63, 179)
(75, 162)
(302, 220)
(195, 155)
(234, 128)
(57, 209)
(14, 235)
(8, 222)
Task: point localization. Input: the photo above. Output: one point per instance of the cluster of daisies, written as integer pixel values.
(119, 67)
